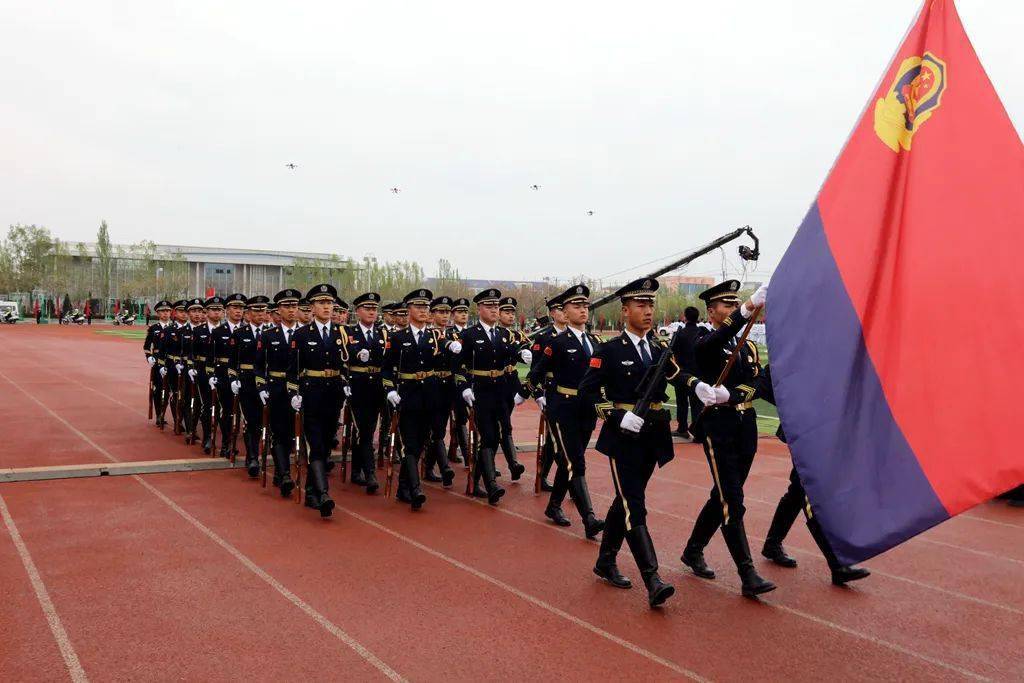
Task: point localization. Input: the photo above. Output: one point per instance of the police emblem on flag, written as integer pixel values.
(915, 94)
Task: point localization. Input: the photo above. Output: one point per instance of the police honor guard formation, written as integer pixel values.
(277, 373)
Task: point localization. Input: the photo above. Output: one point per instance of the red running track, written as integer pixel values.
(207, 576)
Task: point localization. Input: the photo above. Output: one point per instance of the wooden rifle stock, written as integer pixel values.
(389, 457)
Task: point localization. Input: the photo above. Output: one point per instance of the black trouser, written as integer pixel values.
(415, 427)
(571, 422)
(282, 426)
(366, 400)
(629, 509)
(487, 413)
(321, 402)
(252, 410)
(730, 443)
(225, 398)
(437, 453)
(203, 385)
(793, 502)
(156, 383)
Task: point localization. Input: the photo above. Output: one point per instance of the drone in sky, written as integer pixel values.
(291, 166)
(395, 190)
(534, 187)
(590, 213)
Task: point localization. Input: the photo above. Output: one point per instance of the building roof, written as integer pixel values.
(234, 255)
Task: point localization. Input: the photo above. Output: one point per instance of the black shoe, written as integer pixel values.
(430, 476)
(310, 502)
(545, 486)
(694, 559)
(207, 445)
(326, 506)
(287, 486)
(277, 479)
(736, 540)
(592, 526)
(844, 575)
(418, 499)
(657, 590)
(517, 470)
(610, 573)
(358, 478)
(254, 469)
(225, 452)
(479, 493)
(494, 496)
(556, 515)
(777, 554)
(371, 484)
(447, 477)
(753, 584)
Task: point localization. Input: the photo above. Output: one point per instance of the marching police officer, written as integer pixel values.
(151, 348)
(634, 444)
(316, 384)
(202, 357)
(553, 326)
(221, 349)
(411, 384)
(480, 380)
(460, 318)
(437, 453)
(571, 420)
(367, 341)
(728, 432)
(514, 391)
(271, 372)
(245, 343)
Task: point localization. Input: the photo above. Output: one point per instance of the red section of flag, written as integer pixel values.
(923, 212)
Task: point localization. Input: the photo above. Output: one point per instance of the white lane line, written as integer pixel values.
(67, 650)
(533, 600)
(320, 619)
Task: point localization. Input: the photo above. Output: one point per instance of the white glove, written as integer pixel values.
(363, 356)
(706, 393)
(393, 398)
(297, 402)
(151, 360)
(347, 389)
(518, 400)
(264, 396)
(631, 422)
(721, 395)
(455, 347)
(192, 374)
(179, 367)
(542, 402)
(526, 355)
(468, 396)
(213, 382)
(760, 296)
(163, 372)
(236, 386)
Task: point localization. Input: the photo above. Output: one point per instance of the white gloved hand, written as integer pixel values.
(348, 390)
(363, 355)
(151, 360)
(297, 402)
(706, 393)
(163, 372)
(518, 400)
(192, 374)
(760, 296)
(213, 382)
(264, 396)
(236, 386)
(393, 398)
(179, 367)
(721, 395)
(468, 396)
(542, 402)
(526, 355)
(631, 422)
(455, 347)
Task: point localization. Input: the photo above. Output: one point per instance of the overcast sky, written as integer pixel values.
(673, 122)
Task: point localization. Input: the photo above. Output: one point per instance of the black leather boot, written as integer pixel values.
(841, 574)
(580, 494)
(708, 521)
(462, 437)
(252, 461)
(611, 542)
(786, 513)
(558, 491)
(372, 486)
(642, 547)
(486, 469)
(318, 481)
(410, 471)
(441, 458)
(508, 447)
(736, 540)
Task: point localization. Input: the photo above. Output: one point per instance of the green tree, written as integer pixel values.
(25, 254)
(105, 254)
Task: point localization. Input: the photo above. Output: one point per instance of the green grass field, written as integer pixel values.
(125, 332)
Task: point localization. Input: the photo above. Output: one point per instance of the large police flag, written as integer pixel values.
(896, 317)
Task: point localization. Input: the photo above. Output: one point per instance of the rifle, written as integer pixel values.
(299, 456)
(452, 436)
(152, 391)
(471, 456)
(650, 380)
(215, 404)
(542, 432)
(732, 358)
(236, 424)
(346, 438)
(193, 415)
(177, 407)
(264, 443)
(390, 455)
